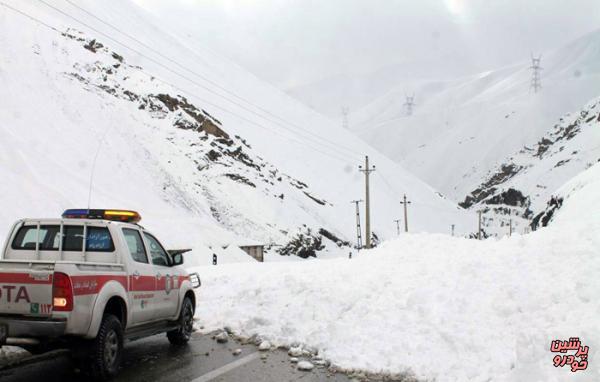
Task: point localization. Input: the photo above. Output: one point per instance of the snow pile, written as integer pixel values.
(10, 354)
(202, 256)
(443, 308)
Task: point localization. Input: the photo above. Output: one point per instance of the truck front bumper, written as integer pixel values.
(22, 330)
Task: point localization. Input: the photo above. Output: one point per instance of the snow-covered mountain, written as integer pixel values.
(330, 94)
(524, 183)
(207, 153)
(460, 129)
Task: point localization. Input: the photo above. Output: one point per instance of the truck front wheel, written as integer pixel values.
(183, 334)
(107, 349)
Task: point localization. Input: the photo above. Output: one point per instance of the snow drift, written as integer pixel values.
(437, 307)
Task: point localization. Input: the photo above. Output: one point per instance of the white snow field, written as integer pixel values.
(437, 307)
(283, 169)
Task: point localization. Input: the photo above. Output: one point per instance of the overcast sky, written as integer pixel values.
(291, 43)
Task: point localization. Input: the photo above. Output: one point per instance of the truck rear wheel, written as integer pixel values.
(107, 349)
(183, 334)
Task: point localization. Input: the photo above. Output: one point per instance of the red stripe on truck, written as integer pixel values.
(24, 278)
(84, 285)
(142, 283)
(92, 284)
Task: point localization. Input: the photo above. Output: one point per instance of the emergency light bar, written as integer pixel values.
(115, 215)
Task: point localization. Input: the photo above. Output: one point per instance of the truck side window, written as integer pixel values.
(98, 238)
(158, 254)
(135, 245)
(27, 236)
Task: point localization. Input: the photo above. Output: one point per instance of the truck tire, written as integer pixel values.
(182, 335)
(106, 350)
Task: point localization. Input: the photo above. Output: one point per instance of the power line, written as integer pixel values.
(397, 221)
(358, 229)
(367, 170)
(342, 157)
(345, 111)
(409, 104)
(405, 203)
(536, 82)
(335, 145)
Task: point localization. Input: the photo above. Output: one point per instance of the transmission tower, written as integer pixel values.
(345, 112)
(536, 82)
(409, 104)
(358, 233)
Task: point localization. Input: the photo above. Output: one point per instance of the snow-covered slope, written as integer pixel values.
(460, 129)
(576, 202)
(206, 152)
(433, 306)
(581, 202)
(524, 183)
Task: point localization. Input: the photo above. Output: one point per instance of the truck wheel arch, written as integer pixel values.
(117, 307)
(113, 293)
(192, 296)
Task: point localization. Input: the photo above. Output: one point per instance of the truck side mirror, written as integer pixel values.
(178, 259)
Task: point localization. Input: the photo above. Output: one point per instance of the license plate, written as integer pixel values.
(3, 333)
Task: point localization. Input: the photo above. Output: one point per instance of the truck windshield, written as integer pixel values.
(98, 238)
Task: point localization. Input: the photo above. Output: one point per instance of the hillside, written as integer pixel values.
(524, 183)
(206, 152)
(577, 203)
(461, 129)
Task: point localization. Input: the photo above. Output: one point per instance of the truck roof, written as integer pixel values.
(66, 221)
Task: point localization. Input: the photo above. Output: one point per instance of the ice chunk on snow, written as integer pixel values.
(305, 366)
(264, 346)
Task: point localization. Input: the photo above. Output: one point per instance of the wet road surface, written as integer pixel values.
(154, 359)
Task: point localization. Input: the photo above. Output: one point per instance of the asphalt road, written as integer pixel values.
(153, 359)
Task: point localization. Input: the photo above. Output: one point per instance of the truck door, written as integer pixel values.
(142, 281)
(167, 295)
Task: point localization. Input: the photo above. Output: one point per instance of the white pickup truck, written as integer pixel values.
(89, 281)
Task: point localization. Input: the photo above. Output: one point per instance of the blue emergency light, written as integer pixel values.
(115, 215)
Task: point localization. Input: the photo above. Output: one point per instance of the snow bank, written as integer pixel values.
(199, 257)
(9, 354)
(581, 201)
(445, 308)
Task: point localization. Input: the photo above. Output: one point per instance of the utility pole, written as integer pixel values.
(536, 82)
(409, 104)
(479, 230)
(452, 229)
(367, 170)
(510, 227)
(345, 112)
(397, 226)
(406, 203)
(358, 234)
